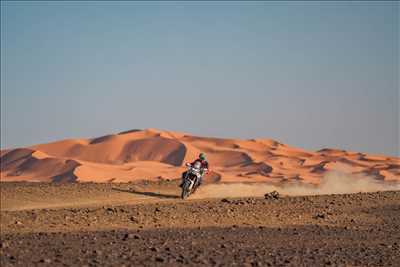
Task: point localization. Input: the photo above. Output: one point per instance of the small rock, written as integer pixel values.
(319, 216)
(4, 245)
(272, 195)
(97, 252)
(18, 223)
(224, 200)
(159, 259)
(130, 236)
(133, 219)
(111, 210)
(250, 201)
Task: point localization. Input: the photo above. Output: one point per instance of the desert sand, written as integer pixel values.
(146, 224)
(153, 154)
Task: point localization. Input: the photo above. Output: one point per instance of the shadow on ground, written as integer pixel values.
(146, 193)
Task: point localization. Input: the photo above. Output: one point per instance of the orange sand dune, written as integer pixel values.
(154, 154)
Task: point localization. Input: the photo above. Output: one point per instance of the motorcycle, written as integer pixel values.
(190, 182)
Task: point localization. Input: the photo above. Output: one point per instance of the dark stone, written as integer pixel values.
(272, 195)
(159, 259)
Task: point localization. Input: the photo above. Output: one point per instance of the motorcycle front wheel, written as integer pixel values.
(185, 190)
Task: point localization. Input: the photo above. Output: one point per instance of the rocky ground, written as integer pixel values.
(156, 228)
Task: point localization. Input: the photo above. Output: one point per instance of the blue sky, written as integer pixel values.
(310, 74)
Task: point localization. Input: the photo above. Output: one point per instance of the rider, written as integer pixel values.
(203, 168)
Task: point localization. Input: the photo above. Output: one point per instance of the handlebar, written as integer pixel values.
(190, 165)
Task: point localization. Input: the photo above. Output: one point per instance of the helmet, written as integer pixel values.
(202, 156)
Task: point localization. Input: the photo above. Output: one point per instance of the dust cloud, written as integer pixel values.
(331, 183)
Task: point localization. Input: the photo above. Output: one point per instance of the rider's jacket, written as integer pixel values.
(204, 163)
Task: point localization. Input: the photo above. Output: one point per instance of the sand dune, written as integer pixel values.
(153, 154)
(33, 165)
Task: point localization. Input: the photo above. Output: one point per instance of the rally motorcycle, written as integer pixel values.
(190, 181)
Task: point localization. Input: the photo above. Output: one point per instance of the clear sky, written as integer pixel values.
(309, 74)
